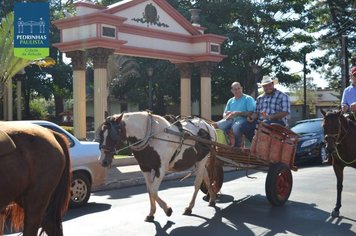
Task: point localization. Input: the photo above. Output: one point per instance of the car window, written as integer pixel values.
(308, 127)
(71, 142)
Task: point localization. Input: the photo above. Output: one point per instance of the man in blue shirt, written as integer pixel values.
(348, 101)
(273, 106)
(236, 110)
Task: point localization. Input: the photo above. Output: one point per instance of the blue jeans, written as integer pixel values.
(225, 125)
(248, 128)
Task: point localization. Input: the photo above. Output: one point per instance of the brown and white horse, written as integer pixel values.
(160, 146)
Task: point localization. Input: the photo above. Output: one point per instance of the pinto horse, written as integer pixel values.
(160, 146)
(34, 180)
(340, 135)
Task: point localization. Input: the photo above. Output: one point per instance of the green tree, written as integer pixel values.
(332, 20)
(9, 64)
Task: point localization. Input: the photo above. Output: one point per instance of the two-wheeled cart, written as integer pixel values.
(272, 149)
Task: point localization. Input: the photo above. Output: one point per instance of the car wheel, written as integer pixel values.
(323, 157)
(79, 190)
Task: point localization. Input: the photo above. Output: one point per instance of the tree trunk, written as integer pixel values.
(58, 103)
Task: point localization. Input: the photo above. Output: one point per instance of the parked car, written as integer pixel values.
(88, 174)
(311, 146)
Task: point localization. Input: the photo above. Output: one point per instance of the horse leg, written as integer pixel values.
(211, 193)
(200, 172)
(153, 184)
(34, 212)
(339, 172)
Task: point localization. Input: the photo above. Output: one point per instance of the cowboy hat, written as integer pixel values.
(267, 80)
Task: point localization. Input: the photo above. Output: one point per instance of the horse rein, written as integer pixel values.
(143, 143)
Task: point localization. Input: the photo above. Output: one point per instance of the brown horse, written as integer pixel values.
(34, 180)
(340, 134)
(158, 147)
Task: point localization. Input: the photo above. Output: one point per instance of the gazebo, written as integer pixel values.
(141, 28)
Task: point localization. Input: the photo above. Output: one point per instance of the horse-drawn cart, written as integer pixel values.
(272, 149)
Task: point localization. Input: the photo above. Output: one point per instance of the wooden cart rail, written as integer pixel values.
(271, 144)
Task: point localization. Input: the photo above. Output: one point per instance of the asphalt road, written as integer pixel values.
(241, 210)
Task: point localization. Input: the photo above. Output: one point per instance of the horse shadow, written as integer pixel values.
(243, 215)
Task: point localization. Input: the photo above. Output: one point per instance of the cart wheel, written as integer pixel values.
(217, 181)
(279, 184)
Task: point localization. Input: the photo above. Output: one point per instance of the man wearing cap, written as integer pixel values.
(348, 101)
(273, 106)
(236, 110)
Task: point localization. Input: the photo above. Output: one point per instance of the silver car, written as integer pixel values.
(88, 174)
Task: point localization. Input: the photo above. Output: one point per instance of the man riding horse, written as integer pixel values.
(348, 101)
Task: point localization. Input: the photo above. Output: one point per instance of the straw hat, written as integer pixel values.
(267, 80)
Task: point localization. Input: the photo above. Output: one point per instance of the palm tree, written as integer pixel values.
(9, 64)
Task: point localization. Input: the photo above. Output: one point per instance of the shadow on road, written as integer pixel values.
(88, 209)
(242, 215)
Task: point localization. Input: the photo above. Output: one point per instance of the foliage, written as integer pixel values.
(129, 81)
(297, 90)
(264, 33)
(332, 20)
(39, 109)
(70, 129)
(9, 64)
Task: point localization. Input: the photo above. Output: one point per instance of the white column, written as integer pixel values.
(185, 97)
(4, 101)
(9, 100)
(79, 104)
(100, 96)
(185, 71)
(79, 95)
(205, 97)
(18, 96)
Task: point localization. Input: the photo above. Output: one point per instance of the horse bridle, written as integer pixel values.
(336, 137)
(115, 131)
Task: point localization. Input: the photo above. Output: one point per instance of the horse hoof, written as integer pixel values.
(212, 204)
(187, 212)
(169, 212)
(149, 218)
(335, 213)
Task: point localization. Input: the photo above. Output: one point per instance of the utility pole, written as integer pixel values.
(344, 64)
(305, 86)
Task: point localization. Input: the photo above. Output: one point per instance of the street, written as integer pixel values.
(242, 208)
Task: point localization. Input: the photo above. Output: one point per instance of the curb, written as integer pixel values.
(130, 160)
(123, 180)
(114, 181)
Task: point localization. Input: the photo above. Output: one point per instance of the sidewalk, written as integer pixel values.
(125, 172)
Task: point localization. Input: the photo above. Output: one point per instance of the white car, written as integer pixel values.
(88, 174)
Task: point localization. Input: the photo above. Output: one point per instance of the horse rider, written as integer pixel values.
(348, 101)
(273, 106)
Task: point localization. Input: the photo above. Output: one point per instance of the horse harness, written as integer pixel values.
(141, 144)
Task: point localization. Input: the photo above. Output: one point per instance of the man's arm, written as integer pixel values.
(277, 116)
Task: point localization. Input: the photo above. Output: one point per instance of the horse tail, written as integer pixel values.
(59, 202)
(16, 216)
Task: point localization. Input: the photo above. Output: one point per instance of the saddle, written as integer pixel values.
(6, 144)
